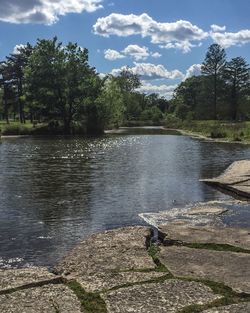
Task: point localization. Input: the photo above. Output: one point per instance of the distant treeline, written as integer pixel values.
(222, 91)
(54, 85)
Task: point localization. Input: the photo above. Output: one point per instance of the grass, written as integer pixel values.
(216, 247)
(90, 302)
(16, 128)
(153, 252)
(213, 129)
(228, 296)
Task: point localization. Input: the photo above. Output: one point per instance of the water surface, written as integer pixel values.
(56, 191)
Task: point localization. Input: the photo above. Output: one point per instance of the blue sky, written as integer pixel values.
(164, 41)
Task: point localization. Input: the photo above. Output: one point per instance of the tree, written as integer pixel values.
(60, 81)
(213, 66)
(110, 104)
(8, 91)
(16, 63)
(236, 74)
(128, 83)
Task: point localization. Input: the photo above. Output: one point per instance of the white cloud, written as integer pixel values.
(149, 71)
(134, 51)
(156, 55)
(17, 48)
(163, 90)
(184, 46)
(217, 28)
(112, 55)
(137, 52)
(228, 39)
(193, 70)
(177, 33)
(43, 11)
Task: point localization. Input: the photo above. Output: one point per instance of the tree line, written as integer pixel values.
(54, 84)
(222, 91)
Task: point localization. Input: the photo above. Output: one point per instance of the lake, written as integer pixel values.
(56, 191)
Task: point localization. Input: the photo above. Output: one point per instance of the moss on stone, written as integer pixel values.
(90, 302)
(216, 247)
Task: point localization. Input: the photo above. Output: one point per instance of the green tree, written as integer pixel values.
(16, 63)
(60, 80)
(128, 83)
(213, 66)
(236, 74)
(110, 104)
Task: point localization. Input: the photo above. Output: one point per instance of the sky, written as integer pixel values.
(163, 41)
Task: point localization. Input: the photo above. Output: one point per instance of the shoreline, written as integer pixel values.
(203, 137)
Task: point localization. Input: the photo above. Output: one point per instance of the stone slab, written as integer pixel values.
(188, 233)
(235, 179)
(229, 268)
(47, 299)
(207, 210)
(234, 308)
(18, 278)
(103, 281)
(96, 261)
(169, 296)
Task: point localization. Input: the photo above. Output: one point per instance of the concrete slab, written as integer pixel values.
(235, 308)
(18, 278)
(169, 296)
(107, 280)
(188, 233)
(95, 261)
(235, 179)
(207, 210)
(47, 299)
(229, 268)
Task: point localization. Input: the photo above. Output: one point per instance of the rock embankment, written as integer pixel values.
(121, 271)
(236, 179)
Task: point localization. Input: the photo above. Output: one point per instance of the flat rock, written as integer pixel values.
(188, 233)
(96, 261)
(47, 299)
(169, 296)
(235, 179)
(230, 268)
(107, 280)
(234, 308)
(18, 278)
(207, 210)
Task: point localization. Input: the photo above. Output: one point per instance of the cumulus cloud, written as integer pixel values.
(137, 52)
(184, 46)
(156, 55)
(160, 33)
(133, 51)
(193, 70)
(149, 71)
(112, 55)
(43, 11)
(163, 90)
(228, 39)
(217, 28)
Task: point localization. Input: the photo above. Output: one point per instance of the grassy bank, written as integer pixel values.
(41, 129)
(222, 130)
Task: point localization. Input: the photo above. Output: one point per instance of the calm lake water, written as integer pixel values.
(55, 192)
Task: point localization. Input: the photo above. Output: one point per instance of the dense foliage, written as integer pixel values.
(222, 91)
(53, 86)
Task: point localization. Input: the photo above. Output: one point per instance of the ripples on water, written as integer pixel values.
(54, 192)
